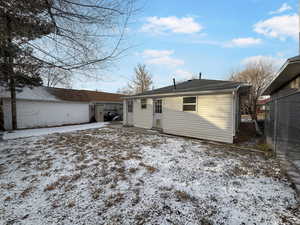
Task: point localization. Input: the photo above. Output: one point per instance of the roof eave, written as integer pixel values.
(182, 93)
(271, 88)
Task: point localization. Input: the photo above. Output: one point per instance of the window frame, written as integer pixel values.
(158, 107)
(144, 104)
(189, 104)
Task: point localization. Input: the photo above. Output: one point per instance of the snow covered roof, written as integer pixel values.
(28, 93)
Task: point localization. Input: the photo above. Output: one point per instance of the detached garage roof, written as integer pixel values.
(195, 85)
(287, 72)
(84, 95)
(62, 94)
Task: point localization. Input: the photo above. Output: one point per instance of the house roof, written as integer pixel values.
(84, 95)
(194, 85)
(62, 94)
(289, 71)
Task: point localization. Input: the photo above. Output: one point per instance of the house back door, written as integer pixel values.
(129, 111)
(157, 113)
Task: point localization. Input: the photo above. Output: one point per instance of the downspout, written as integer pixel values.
(235, 93)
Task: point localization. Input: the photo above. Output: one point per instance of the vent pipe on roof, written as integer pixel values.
(200, 76)
(174, 83)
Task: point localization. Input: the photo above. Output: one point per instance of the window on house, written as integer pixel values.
(158, 106)
(144, 103)
(130, 106)
(189, 104)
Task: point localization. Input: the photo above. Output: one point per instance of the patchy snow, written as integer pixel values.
(129, 176)
(45, 131)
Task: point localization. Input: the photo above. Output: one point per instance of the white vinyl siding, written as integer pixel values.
(143, 117)
(31, 114)
(213, 119)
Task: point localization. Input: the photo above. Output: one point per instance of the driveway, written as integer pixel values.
(113, 175)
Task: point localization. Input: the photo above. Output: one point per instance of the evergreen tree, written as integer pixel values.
(21, 21)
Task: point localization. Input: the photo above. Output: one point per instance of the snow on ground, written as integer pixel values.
(130, 176)
(45, 131)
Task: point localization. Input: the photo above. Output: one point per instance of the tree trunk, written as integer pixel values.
(12, 86)
(11, 75)
(254, 117)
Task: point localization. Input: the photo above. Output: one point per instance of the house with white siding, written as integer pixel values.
(198, 108)
(46, 107)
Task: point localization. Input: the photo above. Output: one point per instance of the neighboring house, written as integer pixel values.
(42, 106)
(262, 104)
(282, 125)
(199, 108)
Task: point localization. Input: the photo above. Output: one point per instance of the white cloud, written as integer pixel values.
(161, 25)
(283, 8)
(279, 27)
(277, 61)
(243, 42)
(157, 53)
(161, 57)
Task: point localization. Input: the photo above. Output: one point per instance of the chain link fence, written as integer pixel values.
(282, 127)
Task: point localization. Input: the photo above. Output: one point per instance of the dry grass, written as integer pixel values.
(182, 196)
(8, 186)
(106, 171)
(133, 170)
(8, 198)
(95, 193)
(71, 204)
(26, 192)
(57, 184)
(150, 169)
(114, 200)
(51, 187)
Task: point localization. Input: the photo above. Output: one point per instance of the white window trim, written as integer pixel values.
(196, 104)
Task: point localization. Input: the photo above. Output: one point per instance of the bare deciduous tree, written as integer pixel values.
(125, 90)
(57, 78)
(142, 81)
(257, 74)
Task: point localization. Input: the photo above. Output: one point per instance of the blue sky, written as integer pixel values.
(182, 38)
